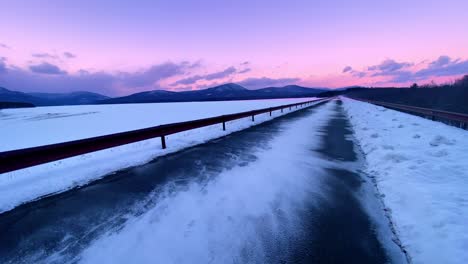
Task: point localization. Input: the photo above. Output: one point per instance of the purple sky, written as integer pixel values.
(122, 47)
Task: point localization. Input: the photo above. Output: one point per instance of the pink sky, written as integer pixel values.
(297, 41)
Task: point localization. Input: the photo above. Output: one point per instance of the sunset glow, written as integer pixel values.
(118, 48)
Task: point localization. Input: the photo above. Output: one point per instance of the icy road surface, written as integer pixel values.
(289, 190)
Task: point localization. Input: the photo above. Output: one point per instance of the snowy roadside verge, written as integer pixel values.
(421, 170)
(33, 183)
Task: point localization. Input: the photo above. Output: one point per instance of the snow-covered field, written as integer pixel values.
(28, 127)
(421, 170)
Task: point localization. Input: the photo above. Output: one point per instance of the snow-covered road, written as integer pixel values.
(289, 190)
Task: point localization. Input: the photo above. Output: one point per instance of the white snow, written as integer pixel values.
(28, 127)
(228, 219)
(421, 170)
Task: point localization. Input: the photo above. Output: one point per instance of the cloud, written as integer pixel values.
(209, 77)
(119, 83)
(245, 63)
(5, 46)
(388, 66)
(244, 70)
(254, 83)
(221, 74)
(69, 55)
(443, 66)
(24, 80)
(46, 68)
(188, 80)
(3, 68)
(401, 72)
(359, 74)
(153, 74)
(44, 55)
(347, 69)
(440, 62)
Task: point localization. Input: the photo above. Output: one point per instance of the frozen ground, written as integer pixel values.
(421, 170)
(29, 127)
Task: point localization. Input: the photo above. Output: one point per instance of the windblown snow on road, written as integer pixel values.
(421, 170)
(235, 217)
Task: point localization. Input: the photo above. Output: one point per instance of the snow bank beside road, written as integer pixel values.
(46, 125)
(421, 170)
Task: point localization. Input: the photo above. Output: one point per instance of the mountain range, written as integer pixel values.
(49, 99)
(229, 91)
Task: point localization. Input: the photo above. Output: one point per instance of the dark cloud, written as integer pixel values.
(5, 46)
(245, 63)
(399, 72)
(244, 70)
(347, 69)
(254, 83)
(44, 55)
(69, 55)
(46, 68)
(209, 77)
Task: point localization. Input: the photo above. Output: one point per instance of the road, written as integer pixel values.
(285, 191)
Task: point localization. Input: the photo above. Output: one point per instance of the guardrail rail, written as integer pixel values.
(453, 118)
(28, 157)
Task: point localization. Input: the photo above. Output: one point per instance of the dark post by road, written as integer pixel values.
(224, 126)
(253, 118)
(163, 142)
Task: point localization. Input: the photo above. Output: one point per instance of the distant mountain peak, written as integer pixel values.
(228, 87)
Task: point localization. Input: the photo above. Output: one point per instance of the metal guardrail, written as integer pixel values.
(24, 158)
(433, 114)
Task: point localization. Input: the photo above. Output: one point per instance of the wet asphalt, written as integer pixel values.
(340, 230)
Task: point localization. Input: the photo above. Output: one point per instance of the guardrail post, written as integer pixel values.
(281, 110)
(253, 118)
(270, 112)
(163, 142)
(224, 126)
